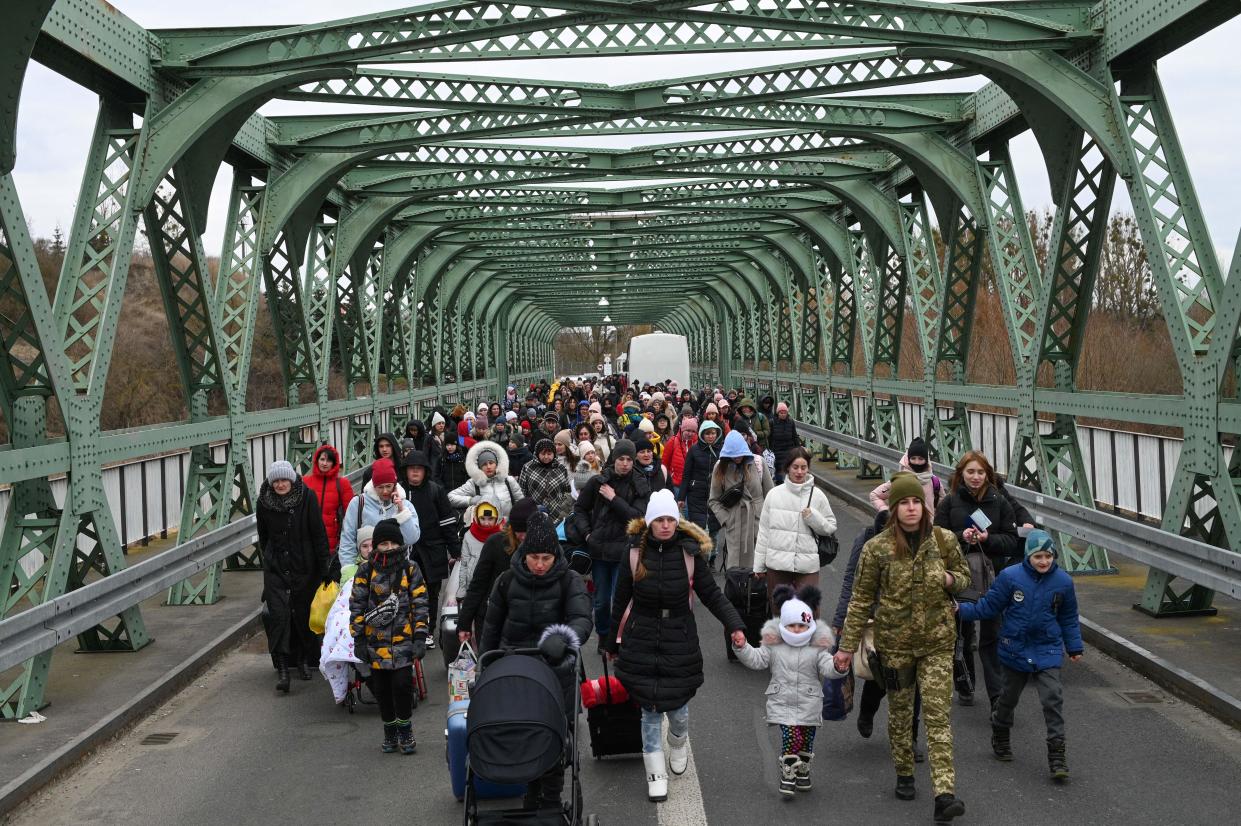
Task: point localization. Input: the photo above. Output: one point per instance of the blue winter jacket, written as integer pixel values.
(1040, 616)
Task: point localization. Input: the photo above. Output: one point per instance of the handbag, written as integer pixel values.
(732, 496)
(828, 545)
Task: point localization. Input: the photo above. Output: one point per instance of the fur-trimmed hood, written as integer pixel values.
(570, 636)
(823, 636)
(471, 461)
(639, 528)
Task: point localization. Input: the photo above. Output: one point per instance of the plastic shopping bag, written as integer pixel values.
(321, 606)
(461, 673)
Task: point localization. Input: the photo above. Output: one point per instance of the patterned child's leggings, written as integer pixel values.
(794, 739)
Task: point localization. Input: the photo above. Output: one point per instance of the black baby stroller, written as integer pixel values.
(517, 731)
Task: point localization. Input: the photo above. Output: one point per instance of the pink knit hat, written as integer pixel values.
(782, 408)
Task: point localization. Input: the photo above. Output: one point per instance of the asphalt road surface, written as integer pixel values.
(243, 754)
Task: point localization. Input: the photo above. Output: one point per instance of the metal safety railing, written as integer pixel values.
(1212, 567)
(45, 626)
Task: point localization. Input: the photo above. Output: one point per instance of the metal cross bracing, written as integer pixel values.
(431, 243)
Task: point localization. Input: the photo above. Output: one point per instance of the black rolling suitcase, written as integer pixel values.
(749, 596)
(615, 727)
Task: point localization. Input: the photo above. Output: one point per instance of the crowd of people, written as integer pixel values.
(653, 488)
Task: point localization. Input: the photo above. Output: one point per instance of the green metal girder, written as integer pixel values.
(394, 250)
(478, 30)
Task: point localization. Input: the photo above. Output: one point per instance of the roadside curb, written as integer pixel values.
(1219, 704)
(24, 786)
(1193, 689)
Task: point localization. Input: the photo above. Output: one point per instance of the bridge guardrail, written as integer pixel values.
(1207, 565)
(44, 626)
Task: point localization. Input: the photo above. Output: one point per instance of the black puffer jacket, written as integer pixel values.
(437, 522)
(493, 560)
(660, 660)
(695, 487)
(783, 439)
(1003, 545)
(523, 606)
(292, 540)
(600, 525)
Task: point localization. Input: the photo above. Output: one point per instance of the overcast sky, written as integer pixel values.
(1202, 81)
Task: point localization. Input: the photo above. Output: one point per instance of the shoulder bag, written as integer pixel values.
(828, 545)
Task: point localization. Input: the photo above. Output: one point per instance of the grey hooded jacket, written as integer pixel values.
(795, 693)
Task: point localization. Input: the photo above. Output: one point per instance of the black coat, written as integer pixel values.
(523, 605)
(1003, 545)
(437, 523)
(600, 525)
(660, 660)
(695, 487)
(655, 478)
(783, 439)
(452, 474)
(493, 560)
(292, 539)
(517, 460)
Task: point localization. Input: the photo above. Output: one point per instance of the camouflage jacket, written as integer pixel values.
(913, 611)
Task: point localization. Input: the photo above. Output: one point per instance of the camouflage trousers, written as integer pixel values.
(935, 681)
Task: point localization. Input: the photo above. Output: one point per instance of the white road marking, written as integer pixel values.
(684, 804)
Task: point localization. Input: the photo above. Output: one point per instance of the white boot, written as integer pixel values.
(656, 776)
(678, 753)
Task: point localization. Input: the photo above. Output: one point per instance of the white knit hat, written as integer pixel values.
(662, 503)
(794, 610)
(364, 534)
(436, 418)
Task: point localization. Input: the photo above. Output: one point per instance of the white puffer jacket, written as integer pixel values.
(784, 541)
(501, 490)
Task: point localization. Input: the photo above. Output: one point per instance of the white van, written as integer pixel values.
(656, 357)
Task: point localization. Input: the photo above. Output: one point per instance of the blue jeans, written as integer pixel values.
(604, 575)
(652, 725)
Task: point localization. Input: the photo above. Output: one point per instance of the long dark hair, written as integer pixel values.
(899, 541)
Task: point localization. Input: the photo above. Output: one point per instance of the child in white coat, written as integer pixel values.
(798, 650)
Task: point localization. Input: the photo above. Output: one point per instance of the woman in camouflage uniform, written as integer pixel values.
(908, 573)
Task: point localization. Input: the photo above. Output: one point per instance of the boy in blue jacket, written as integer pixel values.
(1040, 624)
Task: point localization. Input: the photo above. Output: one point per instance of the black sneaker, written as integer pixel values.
(947, 807)
(905, 787)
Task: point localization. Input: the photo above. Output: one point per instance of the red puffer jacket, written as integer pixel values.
(333, 492)
(674, 455)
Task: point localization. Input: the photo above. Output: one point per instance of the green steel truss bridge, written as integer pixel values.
(434, 241)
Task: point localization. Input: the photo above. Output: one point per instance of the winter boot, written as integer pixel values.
(282, 674)
(1056, 761)
(656, 776)
(947, 807)
(905, 787)
(678, 754)
(789, 764)
(303, 671)
(389, 744)
(865, 725)
(803, 771)
(405, 737)
(1001, 745)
